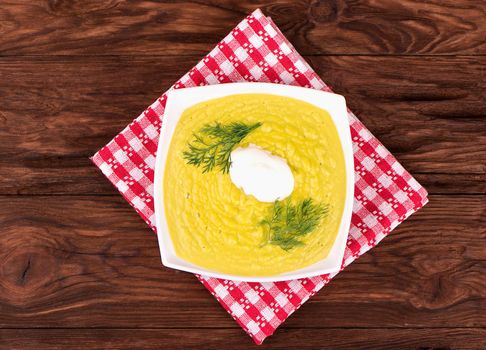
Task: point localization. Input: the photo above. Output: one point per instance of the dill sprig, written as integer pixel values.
(288, 223)
(213, 145)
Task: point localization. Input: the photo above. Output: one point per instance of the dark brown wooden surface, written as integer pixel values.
(180, 27)
(67, 257)
(79, 268)
(210, 338)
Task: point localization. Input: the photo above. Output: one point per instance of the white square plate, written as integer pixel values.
(181, 99)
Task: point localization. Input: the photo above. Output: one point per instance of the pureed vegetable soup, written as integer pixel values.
(215, 225)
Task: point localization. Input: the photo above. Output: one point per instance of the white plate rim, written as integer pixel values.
(180, 99)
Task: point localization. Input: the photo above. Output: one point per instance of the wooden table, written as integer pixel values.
(80, 270)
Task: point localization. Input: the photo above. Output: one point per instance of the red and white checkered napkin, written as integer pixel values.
(385, 193)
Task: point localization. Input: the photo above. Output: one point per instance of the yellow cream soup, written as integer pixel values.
(213, 224)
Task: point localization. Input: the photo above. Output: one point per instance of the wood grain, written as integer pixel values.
(79, 268)
(437, 183)
(113, 27)
(148, 339)
(91, 262)
(55, 113)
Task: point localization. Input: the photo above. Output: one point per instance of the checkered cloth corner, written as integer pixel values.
(256, 50)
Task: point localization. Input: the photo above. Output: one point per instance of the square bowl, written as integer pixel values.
(181, 99)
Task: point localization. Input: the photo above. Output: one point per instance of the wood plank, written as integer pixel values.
(436, 183)
(91, 262)
(55, 113)
(175, 27)
(336, 339)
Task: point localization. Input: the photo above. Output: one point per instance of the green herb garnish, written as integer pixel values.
(213, 145)
(287, 223)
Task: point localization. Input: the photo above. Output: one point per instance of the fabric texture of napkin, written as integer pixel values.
(256, 50)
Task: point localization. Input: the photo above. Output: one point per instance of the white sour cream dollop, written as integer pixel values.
(261, 174)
